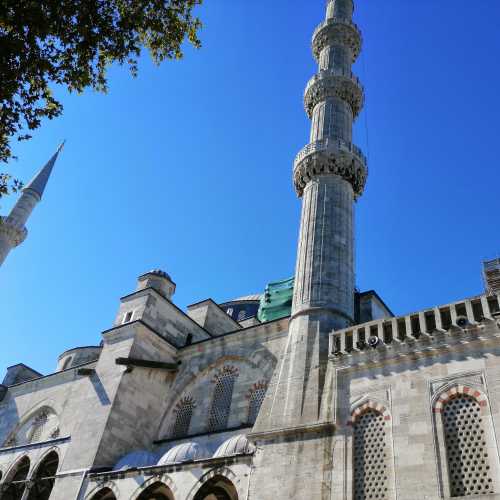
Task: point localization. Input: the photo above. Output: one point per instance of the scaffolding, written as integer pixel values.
(491, 275)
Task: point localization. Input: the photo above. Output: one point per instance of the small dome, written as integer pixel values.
(185, 452)
(159, 272)
(237, 445)
(136, 458)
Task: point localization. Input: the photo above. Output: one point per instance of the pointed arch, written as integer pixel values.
(463, 428)
(222, 397)
(104, 491)
(367, 405)
(447, 394)
(43, 478)
(255, 397)
(151, 484)
(182, 415)
(15, 481)
(158, 490)
(39, 424)
(104, 494)
(217, 484)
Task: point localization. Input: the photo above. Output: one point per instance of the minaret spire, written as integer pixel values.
(329, 174)
(39, 182)
(12, 228)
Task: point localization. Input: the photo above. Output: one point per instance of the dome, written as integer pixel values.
(136, 458)
(159, 272)
(237, 445)
(185, 452)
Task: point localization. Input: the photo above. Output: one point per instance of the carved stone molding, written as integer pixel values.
(345, 164)
(337, 31)
(332, 84)
(469, 379)
(15, 234)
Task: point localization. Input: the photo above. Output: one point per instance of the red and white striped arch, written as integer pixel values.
(457, 391)
(369, 406)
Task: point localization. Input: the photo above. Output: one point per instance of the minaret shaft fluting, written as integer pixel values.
(330, 172)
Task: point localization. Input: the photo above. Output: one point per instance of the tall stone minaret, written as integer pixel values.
(329, 174)
(295, 429)
(12, 228)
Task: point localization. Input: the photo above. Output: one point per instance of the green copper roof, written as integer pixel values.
(276, 302)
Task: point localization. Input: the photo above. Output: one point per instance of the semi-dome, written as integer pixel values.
(185, 452)
(136, 458)
(237, 445)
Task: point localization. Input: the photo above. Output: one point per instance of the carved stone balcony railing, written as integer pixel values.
(334, 82)
(330, 156)
(14, 233)
(338, 30)
(329, 144)
(438, 323)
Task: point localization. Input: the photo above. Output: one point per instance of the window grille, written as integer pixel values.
(256, 398)
(183, 414)
(468, 465)
(37, 427)
(370, 457)
(221, 403)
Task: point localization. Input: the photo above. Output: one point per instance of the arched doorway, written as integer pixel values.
(157, 491)
(104, 494)
(217, 488)
(44, 477)
(16, 483)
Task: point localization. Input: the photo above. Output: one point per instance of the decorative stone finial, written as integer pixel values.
(158, 280)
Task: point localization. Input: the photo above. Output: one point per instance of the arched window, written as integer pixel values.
(183, 412)
(15, 485)
(157, 491)
(104, 494)
(256, 397)
(370, 457)
(37, 427)
(466, 451)
(222, 398)
(217, 488)
(44, 477)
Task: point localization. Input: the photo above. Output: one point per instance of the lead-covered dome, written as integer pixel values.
(136, 458)
(185, 452)
(237, 445)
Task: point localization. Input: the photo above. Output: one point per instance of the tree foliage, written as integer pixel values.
(72, 43)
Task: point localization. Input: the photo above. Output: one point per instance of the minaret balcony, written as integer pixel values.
(337, 31)
(330, 156)
(334, 83)
(15, 234)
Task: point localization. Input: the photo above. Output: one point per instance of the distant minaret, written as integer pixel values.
(329, 174)
(12, 228)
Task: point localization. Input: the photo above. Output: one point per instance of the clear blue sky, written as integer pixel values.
(188, 168)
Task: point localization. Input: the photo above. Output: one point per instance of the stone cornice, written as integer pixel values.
(458, 341)
(326, 158)
(334, 84)
(300, 430)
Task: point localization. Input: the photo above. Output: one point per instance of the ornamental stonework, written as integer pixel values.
(327, 84)
(16, 235)
(342, 163)
(337, 31)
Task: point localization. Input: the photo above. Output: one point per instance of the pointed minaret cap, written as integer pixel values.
(38, 183)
